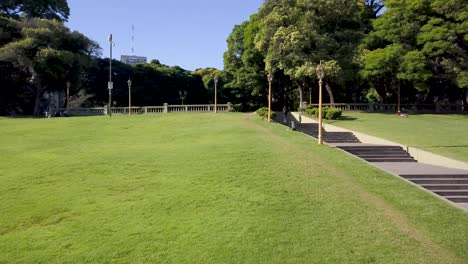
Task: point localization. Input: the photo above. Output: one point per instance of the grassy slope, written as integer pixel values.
(207, 189)
(442, 134)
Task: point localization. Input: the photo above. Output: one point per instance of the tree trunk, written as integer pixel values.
(466, 96)
(37, 105)
(310, 94)
(37, 86)
(330, 93)
(301, 98)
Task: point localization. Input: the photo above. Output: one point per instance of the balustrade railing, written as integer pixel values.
(146, 110)
(407, 108)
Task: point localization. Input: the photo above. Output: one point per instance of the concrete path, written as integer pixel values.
(448, 182)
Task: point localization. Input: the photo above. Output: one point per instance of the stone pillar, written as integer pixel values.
(146, 110)
(437, 107)
(371, 107)
(230, 109)
(166, 108)
(105, 109)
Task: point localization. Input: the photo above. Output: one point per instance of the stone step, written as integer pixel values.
(342, 140)
(431, 176)
(365, 148)
(451, 192)
(390, 159)
(339, 137)
(386, 155)
(457, 199)
(389, 151)
(445, 186)
(439, 181)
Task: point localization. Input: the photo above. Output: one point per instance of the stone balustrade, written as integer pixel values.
(137, 110)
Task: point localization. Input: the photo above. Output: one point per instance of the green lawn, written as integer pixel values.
(446, 135)
(206, 188)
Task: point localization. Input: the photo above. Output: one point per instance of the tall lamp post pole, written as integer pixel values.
(216, 79)
(110, 85)
(320, 75)
(270, 80)
(129, 82)
(68, 96)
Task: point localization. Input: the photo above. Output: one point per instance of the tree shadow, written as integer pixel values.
(459, 146)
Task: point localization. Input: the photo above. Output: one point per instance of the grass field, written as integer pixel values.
(446, 135)
(206, 188)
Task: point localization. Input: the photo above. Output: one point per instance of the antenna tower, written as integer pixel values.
(133, 40)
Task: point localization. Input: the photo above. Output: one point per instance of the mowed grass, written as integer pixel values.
(446, 135)
(206, 188)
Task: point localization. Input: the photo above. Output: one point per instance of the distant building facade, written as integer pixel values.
(133, 60)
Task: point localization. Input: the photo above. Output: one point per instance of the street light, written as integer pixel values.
(320, 75)
(110, 85)
(68, 95)
(182, 96)
(270, 80)
(129, 82)
(216, 93)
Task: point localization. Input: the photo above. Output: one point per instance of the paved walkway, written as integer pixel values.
(449, 184)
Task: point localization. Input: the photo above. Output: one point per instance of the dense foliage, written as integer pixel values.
(39, 55)
(263, 113)
(372, 50)
(330, 113)
(369, 51)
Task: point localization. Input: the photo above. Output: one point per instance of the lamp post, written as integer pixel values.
(68, 95)
(270, 80)
(216, 79)
(110, 85)
(129, 82)
(182, 96)
(320, 75)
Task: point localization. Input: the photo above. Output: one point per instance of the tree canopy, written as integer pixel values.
(48, 9)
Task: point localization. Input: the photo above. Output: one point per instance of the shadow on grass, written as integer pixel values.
(459, 114)
(459, 146)
(342, 118)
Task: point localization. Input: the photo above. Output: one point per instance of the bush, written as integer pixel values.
(310, 111)
(333, 113)
(244, 107)
(263, 113)
(237, 107)
(327, 112)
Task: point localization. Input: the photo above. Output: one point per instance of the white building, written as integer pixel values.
(133, 60)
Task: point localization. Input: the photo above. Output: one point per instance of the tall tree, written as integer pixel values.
(295, 35)
(418, 44)
(49, 53)
(244, 67)
(48, 9)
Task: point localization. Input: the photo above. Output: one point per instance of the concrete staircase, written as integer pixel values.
(452, 187)
(329, 137)
(448, 183)
(379, 153)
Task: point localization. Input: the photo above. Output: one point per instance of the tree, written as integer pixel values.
(48, 9)
(49, 53)
(295, 35)
(419, 44)
(244, 67)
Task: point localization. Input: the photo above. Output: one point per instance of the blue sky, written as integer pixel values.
(191, 34)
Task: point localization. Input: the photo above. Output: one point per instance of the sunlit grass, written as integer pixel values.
(442, 134)
(206, 188)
